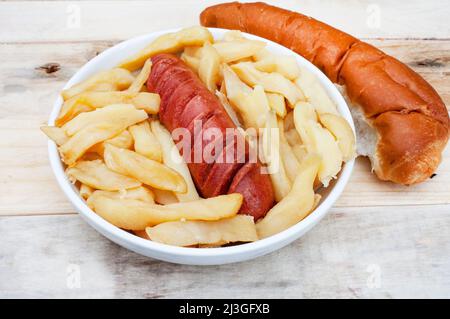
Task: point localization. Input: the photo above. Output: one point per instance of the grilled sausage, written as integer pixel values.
(185, 103)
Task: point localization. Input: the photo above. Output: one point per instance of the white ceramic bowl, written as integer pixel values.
(194, 256)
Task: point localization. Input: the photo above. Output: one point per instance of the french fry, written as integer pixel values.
(271, 150)
(72, 108)
(300, 152)
(173, 159)
(315, 93)
(116, 78)
(266, 65)
(147, 171)
(209, 67)
(233, 85)
(141, 233)
(111, 163)
(105, 115)
(289, 121)
(191, 56)
(145, 142)
(318, 140)
(96, 175)
(91, 156)
(317, 199)
(262, 55)
(271, 82)
(86, 191)
(122, 140)
(56, 134)
(89, 101)
(149, 102)
(137, 215)
(165, 197)
(81, 142)
(191, 61)
(71, 178)
(251, 104)
(102, 87)
(287, 66)
(233, 35)
(223, 88)
(293, 137)
(252, 107)
(100, 131)
(296, 205)
(169, 43)
(239, 228)
(230, 110)
(194, 51)
(248, 60)
(247, 72)
(276, 103)
(140, 80)
(276, 83)
(343, 133)
(290, 161)
(236, 50)
(139, 193)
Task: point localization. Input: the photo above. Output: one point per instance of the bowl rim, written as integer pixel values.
(139, 244)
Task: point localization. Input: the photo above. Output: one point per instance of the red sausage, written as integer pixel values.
(254, 186)
(185, 100)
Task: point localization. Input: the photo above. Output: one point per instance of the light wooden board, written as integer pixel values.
(403, 231)
(353, 253)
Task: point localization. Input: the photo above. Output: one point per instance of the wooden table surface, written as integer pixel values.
(380, 239)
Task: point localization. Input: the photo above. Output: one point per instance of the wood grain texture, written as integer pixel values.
(336, 259)
(401, 231)
(58, 20)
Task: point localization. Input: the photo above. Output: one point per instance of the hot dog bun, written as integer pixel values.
(405, 116)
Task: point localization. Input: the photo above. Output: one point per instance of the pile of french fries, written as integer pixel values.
(128, 169)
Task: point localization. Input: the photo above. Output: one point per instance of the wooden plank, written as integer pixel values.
(27, 185)
(103, 20)
(391, 252)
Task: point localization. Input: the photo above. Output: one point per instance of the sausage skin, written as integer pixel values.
(185, 103)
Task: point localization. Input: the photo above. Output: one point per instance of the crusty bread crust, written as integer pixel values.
(411, 119)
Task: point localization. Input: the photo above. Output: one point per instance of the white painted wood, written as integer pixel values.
(31, 21)
(344, 256)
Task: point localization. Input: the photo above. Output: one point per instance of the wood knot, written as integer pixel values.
(49, 68)
(430, 63)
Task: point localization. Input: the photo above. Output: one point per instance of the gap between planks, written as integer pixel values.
(350, 207)
(116, 41)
